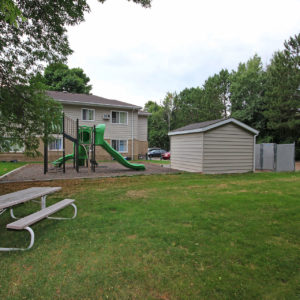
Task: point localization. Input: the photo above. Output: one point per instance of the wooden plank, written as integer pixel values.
(37, 216)
(22, 196)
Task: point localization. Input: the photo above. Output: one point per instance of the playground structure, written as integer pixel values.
(85, 139)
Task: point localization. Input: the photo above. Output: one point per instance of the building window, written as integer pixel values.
(120, 145)
(56, 145)
(14, 147)
(119, 117)
(88, 114)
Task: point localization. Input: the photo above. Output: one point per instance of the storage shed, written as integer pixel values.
(218, 146)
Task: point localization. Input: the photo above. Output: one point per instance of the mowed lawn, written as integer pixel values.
(6, 167)
(183, 236)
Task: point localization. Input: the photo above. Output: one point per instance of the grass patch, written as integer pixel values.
(6, 167)
(186, 236)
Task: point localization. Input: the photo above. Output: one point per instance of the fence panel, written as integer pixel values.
(268, 156)
(258, 164)
(285, 157)
(275, 157)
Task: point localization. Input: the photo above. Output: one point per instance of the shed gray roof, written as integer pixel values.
(208, 125)
(197, 125)
(91, 100)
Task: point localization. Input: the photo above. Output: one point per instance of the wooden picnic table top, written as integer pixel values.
(22, 196)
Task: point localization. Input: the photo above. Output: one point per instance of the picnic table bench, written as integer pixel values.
(12, 199)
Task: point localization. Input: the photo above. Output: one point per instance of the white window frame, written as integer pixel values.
(94, 114)
(118, 111)
(61, 144)
(111, 142)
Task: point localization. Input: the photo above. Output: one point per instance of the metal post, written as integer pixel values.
(45, 150)
(94, 150)
(77, 145)
(261, 156)
(64, 144)
(275, 158)
(46, 155)
(294, 156)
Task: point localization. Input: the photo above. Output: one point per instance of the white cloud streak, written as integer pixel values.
(135, 54)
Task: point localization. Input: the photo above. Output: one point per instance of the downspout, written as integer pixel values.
(132, 154)
(254, 154)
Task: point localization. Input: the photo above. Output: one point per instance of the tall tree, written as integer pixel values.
(216, 95)
(247, 93)
(59, 77)
(187, 107)
(283, 93)
(168, 107)
(157, 126)
(32, 34)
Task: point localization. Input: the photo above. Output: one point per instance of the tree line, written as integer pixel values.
(266, 98)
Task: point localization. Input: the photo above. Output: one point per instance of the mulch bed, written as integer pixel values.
(35, 172)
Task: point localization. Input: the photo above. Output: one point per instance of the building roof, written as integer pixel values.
(144, 113)
(89, 100)
(208, 125)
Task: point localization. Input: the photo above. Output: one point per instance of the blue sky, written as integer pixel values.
(135, 54)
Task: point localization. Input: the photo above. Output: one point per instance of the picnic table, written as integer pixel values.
(9, 201)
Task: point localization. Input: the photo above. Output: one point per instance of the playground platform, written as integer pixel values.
(34, 172)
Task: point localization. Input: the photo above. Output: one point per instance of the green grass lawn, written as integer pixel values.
(6, 167)
(183, 236)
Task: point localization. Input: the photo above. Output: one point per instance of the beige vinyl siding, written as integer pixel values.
(112, 131)
(228, 149)
(142, 128)
(186, 152)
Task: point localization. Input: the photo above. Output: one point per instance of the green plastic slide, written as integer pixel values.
(99, 141)
(82, 157)
(60, 161)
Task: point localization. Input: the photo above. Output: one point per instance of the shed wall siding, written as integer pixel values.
(186, 152)
(228, 149)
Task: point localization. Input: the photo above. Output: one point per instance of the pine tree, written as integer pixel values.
(283, 93)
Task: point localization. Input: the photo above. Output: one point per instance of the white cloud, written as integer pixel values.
(135, 54)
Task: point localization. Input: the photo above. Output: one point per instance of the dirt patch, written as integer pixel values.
(236, 192)
(34, 172)
(297, 166)
(131, 237)
(137, 194)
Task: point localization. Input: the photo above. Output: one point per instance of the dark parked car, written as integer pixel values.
(166, 156)
(156, 153)
(151, 149)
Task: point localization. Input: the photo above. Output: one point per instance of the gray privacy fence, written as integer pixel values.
(275, 157)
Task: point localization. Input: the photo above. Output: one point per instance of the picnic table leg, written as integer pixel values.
(12, 214)
(22, 249)
(43, 202)
(74, 216)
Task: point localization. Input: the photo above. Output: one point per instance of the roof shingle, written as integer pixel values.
(88, 99)
(197, 125)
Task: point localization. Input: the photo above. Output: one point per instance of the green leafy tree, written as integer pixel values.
(197, 105)
(216, 95)
(157, 126)
(187, 107)
(32, 34)
(168, 107)
(247, 90)
(16, 123)
(283, 93)
(58, 77)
